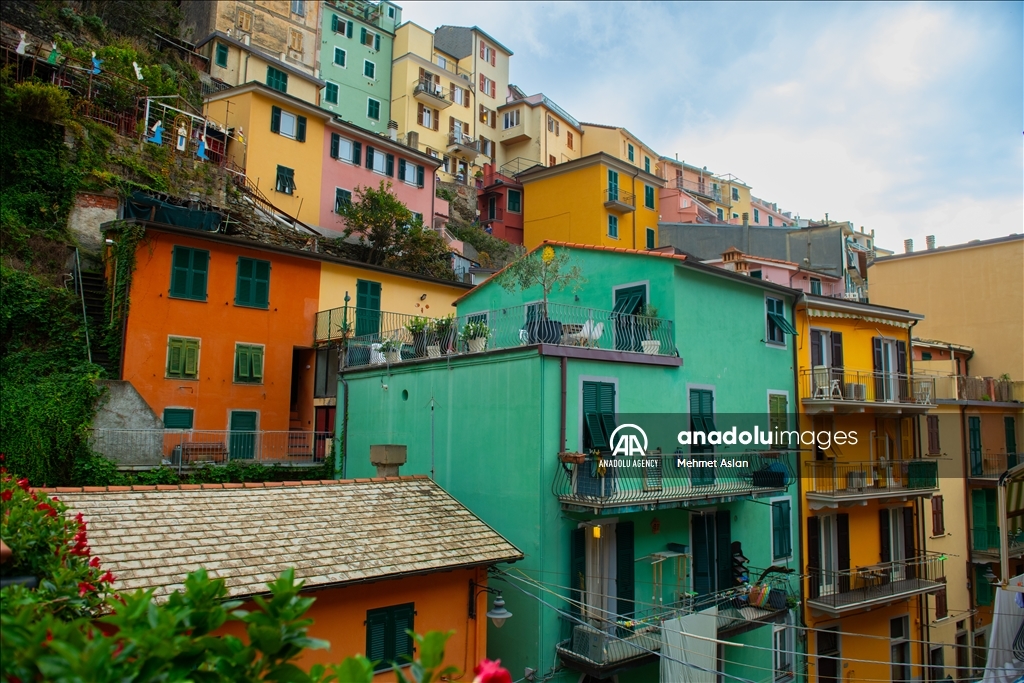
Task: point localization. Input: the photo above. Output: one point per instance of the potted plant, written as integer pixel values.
(476, 333)
(444, 333)
(423, 335)
(392, 350)
(650, 322)
(545, 268)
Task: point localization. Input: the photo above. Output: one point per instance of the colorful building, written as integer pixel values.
(780, 272)
(864, 534)
(597, 199)
(613, 554)
(763, 212)
(365, 594)
(621, 144)
(500, 203)
(972, 292)
(446, 88)
(535, 130)
(356, 50)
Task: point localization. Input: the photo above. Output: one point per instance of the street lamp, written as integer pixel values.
(497, 614)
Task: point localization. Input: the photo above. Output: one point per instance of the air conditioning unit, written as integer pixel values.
(856, 480)
(856, 392)
(853, 296)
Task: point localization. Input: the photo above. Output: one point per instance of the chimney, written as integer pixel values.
(387, 458)
(746, 218)
(393, 130)
(412, 139)
(908, 246)
(930, 242)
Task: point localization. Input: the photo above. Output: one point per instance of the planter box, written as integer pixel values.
(393, 356)
(477, 345)
(651, 346)
(544, 332)
(573, 458)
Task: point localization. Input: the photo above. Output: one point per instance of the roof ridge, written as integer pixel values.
(225, 485)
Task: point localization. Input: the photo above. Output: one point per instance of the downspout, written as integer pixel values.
(561, 441)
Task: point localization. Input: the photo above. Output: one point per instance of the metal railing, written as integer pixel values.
(360, 9)
(463, 140)
(986, 539)
(702, 189)
(429, 87)
(992, 465)
(605, 481)
(838, 478)
(517, 166)
(498, 215)
(378, 337)
(850, 588)
(614, 194)
(185, 448)
(843, 384)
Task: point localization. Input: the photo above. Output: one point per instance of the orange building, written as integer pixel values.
(428, 556)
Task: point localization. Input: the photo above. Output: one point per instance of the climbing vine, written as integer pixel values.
(122, 256)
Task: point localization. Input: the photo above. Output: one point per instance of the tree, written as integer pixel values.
(545, 267)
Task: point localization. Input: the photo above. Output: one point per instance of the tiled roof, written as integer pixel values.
(331, 532)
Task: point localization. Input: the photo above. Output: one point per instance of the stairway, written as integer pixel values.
(94, 290)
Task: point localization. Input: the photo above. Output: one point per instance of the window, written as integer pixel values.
(339, 57)
(487, 53)
(346, 150)
(511, 119)
(613, 226)
(487, 86)
(410, 173)
(488, 116)
(331, 93)
(287, 124)
(771, 222)
(648, 196)
(926, 355)
(782, 536)
(782, 644)
(486, 146)
(553, 126)
(568, 139)
(735, 215)
(221, 58)
(342, 26)
(756, 274)
(295, 42)
(938, 519)
(515, 201)
(650, 238)
(598, 414)
(816, 286)
(372, 109)
(369, 39)
(277, 79)
(367, 307)
(417, 217)
(391, 12)
(941, 608)
(248, 364)
(299, 7)
(252, 286)
(342, 198)
(178, 418)
(369, 69)
(441, 61)
(702, 419)
(613, 185)
(629, 152)
(182, 358)
(721, 214)
(647, 164)
(188, 273)
(245, 21)
(285, 180)
(757, 216)
(735, 194)
(778, 325)
(427, 117)
(552, 161)
(380, 162)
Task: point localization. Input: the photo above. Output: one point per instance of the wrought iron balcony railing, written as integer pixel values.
(434, 92)
(992, 465)
(703, 189)
(986, 539)
(604, 482)
(619, 199)
(844, 385)
(860, 587)
(830, 479)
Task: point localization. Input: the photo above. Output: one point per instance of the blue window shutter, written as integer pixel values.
(335, 142)
(300, 129)
(419, 176)
(357, 153)
(390, 165)
(275, 119)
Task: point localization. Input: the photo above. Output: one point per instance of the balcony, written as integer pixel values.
(992, 465)
(515, 134)
(608, 484)
(832, 484)
(963, 388)
(985, 543)
(377, 337)
(841, 390)
(851, 590)
(360, 9)
(432, 94)
(497, 214)
(619, 201)
(184, 449)
(701, 189)
(463, 145)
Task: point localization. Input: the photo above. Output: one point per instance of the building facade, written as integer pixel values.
(500, 203)
(535, 130)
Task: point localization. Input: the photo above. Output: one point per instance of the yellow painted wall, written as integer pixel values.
(972, 296)
(398, 294)
(616, 141)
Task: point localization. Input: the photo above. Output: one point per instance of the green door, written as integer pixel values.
(629, 301)
(1011, 442)
(367, 307)
(243, 435)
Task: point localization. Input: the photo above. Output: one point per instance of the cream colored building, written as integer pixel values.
(446, 87)
(535, 130)
(621, 144)
(973, 293)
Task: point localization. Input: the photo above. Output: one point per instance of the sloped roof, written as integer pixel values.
(332, 532)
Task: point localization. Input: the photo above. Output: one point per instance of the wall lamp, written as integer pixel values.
(497, 614)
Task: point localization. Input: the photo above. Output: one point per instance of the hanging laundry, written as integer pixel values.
(21, 44)
(201, 152)
(96, 64)
(52, 59)
(157, 137)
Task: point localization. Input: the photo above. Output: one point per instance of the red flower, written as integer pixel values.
(6, 495)
(84, 587)
(491, 672)
(108, 578)
(94, 563)
(117, 650)
(23, 484)
(79, 518)
(50, 512)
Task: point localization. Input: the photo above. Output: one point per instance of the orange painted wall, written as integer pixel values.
(219, 324)
(441, 601)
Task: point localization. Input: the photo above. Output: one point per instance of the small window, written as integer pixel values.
(221, 58)
(188, 273)
(245, 22)
(391, 12)
(299, 7)
(511, 119)
(178, 418)
(377, 160)
(252, 287)
(735, 194)
(248, 364)
(182, 358)
(341, 198)
(647, 164)
(409, 173)
(650, 238)
(331, 93)
(757, 216)
(778, 325)
(782, 536)
(816, 286)
(938, 517)
(568, 139)
(369, 39)
(926, 355)
(277, 79)
(771, 222)
(285, 180)
(648, 196)
(339, 57)
(735, 215)
(295, 42)
(369, 69)
(386, 637)
(373, 109)
(630, 152)
(552, 161)
(515, 201)
(417, 218)
(287, 124)
(721, 214)
(613, 226)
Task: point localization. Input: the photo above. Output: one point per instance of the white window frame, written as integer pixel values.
(344, 56)
(337, 87)
(300, 5)
(370, 36)
(771, 519)
(345, 157)
(378, 154)
(410, 170)
(428, 115)
(294, 125)
(512, 119)
(372, 64)
(787, 650)
(459, 95)
(784, 344)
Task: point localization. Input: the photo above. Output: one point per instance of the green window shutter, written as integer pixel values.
(367, 307)
(702, 570)
(362, 35)
(723, 536)
(389, 166)
(197, 279)
(178, 418)
(515, 201)
(222, 55)
(984, 592)
(648, 196)
(613, 185)
(348, 29)
(781, 532)
(275, 119)
(402, 618)
(341, 198)
(624, 568)
(377, 638)
(256, 355)
(334, 23)
(979, 520)
(191, 368)
(650, 238)
(357, 156)
(1010, 429)
(335, 143)
(181, 264)
(419, 176)
(376, 42)
(243, 282)
(592, 415)
(401, 169)
(606, 397)
(261, 284)
(974, 444)
(613, 226)
(369, 157)
(777, 413)
(175, 354)
(241, 363)
(300, 129)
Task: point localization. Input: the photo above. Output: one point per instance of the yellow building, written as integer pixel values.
(279, 141)
(535, 130)
(597, 199)
(621, 144)
(446, 88)
(973, 293)
(736, 197)
(865, 560)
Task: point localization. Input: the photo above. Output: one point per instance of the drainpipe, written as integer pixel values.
(634, 208)
(565, 365)
(343, 454)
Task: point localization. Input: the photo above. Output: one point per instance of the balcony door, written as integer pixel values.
(828, 554)
(896, 529)
(711, 538)
(890, 369)
(629, 301)
(828, 655)
(601, 572)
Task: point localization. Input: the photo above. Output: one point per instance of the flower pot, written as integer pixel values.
(651, 346)
(544, 331)
(420, 342)
(433, 351)
(446, 340)
(477, 344)
(393, 356)
(573, 458)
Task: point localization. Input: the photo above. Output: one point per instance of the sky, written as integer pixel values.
(902, 118)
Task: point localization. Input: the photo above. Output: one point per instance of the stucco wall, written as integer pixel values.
(122, 408)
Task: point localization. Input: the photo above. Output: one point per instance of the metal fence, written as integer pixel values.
(185, 448)
(867, 477)
(992, 465)
(842, 384)
(848, 588)
(378, 337)
(987, 538)
(614, 194)
(605, 481)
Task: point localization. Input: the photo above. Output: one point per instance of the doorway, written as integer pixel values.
(242, 445)
(629, 302)
(828, 655)
(900, 649)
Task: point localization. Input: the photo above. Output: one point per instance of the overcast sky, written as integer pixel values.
(904, 118)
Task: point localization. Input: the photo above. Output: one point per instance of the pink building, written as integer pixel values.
(767, 214)
(501, 206)
(355, 158)
(679, 206)
(781, 273)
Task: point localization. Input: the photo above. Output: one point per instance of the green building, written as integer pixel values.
(357, 40)
(618, 535)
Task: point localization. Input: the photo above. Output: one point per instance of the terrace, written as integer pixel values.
(831, 483)
(844, 390)
(851, 590)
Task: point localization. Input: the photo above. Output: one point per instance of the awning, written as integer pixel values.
(819, 313)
